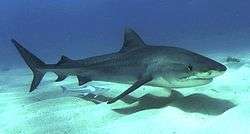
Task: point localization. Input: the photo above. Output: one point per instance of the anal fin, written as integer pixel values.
(83, 80)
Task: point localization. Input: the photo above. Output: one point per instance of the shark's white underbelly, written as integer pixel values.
(175, 83)
(159, 82)
(156, 82)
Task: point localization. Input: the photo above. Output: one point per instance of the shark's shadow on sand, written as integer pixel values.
(195, 103)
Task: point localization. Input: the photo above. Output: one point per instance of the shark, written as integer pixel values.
(136, 63)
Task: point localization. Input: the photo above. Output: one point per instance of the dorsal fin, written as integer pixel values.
(131, 40)
(63, 60)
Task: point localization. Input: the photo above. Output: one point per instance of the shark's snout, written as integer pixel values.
(216, 70)
(221, 68)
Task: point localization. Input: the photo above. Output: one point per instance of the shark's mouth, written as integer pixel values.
(191, 81)
(195, 78)
(202, 76)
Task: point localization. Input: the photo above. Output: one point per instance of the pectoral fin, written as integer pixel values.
(136, 85)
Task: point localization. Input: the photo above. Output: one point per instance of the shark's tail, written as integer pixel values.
(33, 62)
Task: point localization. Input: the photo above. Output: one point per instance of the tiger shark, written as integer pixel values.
(136, 63)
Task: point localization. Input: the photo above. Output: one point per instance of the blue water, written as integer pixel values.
(83, 28)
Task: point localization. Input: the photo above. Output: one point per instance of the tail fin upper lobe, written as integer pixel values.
(33, 62)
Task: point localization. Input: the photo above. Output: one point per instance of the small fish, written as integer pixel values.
(90, 93)
(85, 90)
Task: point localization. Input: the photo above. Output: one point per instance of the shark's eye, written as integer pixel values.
(190, 67)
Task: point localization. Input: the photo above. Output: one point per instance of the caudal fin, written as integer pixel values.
(33, 62)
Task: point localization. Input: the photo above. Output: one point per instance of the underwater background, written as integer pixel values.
(219, 29)
(82, 28)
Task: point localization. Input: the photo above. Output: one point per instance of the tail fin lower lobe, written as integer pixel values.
(34, 63)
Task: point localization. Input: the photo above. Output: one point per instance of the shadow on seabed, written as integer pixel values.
(195, 103)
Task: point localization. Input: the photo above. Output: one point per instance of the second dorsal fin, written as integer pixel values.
(64, 60)
(131, 40)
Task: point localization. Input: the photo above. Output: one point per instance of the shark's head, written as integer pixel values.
(172, 65)
(192, 69)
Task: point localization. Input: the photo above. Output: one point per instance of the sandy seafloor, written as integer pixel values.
(221, 107)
